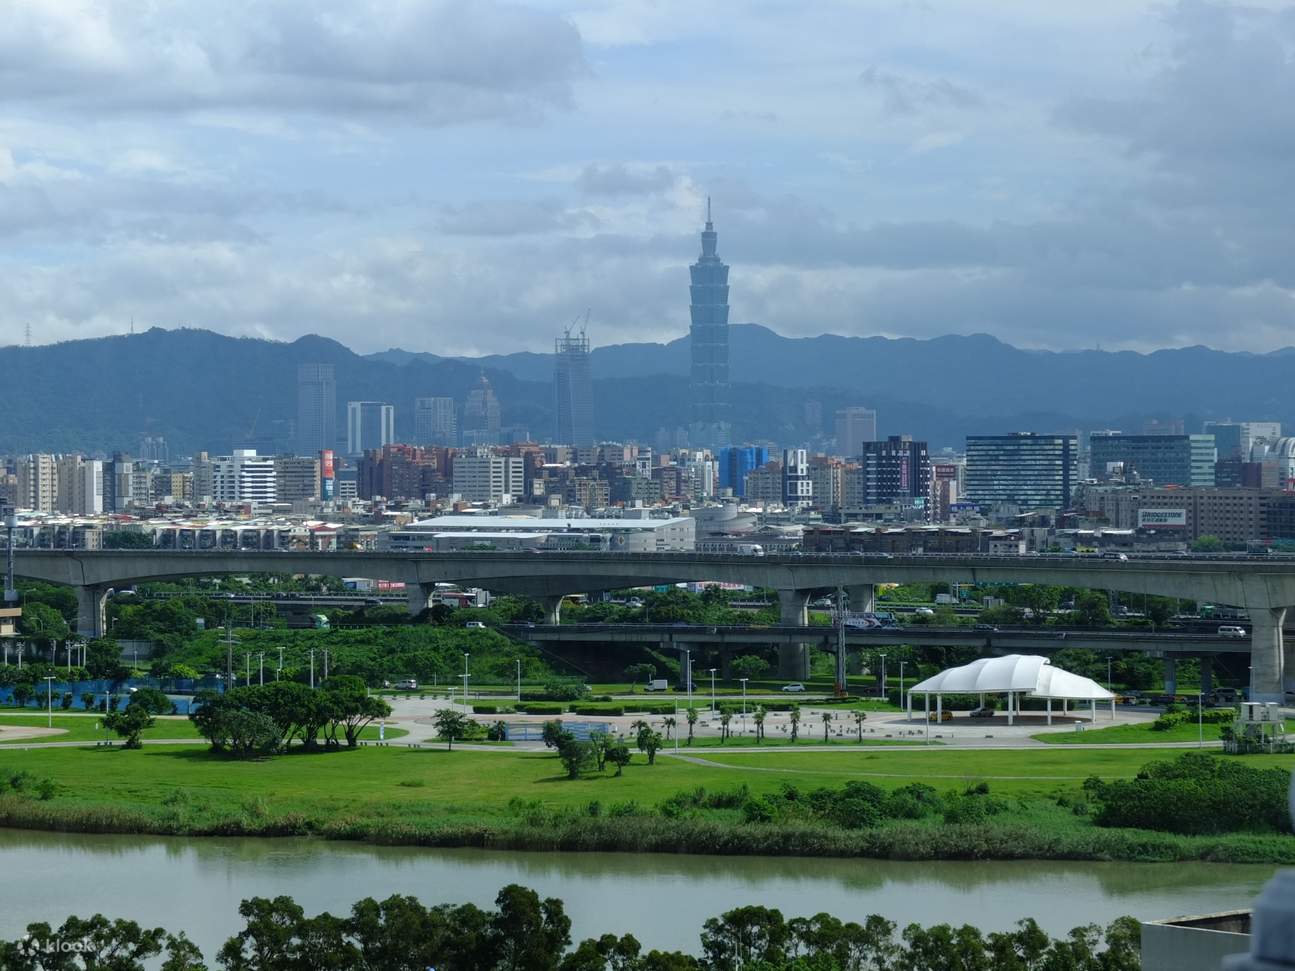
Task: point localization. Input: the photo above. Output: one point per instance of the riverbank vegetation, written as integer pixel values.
(525, 931)
(1034, 805)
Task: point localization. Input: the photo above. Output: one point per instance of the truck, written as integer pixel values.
(657, 684)
(945, 598)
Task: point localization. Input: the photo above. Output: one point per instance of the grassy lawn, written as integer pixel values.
(1118, 734)
(1019, 772)
(85, 728)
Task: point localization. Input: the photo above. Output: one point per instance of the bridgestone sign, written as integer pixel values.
(1162, 519)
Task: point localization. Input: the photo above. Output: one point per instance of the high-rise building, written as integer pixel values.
(735, 464)
(1021, 469)
(369, 425)
(488, 478)
(436, 421)
(944, 490)
(1184, 460)
(854, 426)
(152, 448)
(708, 337)
(295, 477)
(316, 408)
(1235, 439)
(797, 486)
(80, 486)
(574, 391)
(37, 482)
(243, 476)
(481, 416)
(897, 469)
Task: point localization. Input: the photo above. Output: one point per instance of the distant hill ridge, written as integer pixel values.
(203, 390)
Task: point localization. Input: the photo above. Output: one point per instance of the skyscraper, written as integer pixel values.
(435, 421)
(316, 408)
(709, 340)
(797, 486)
(573, 387)
(369, 424)
(854, 426)
(481, 415)
(896, 470)
(1021, 468)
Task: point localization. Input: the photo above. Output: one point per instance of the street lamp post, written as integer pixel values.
(901, 685)
(1108, 675)
(712, 691)
(743, 680)
(519, 679)
(688, 674)
(49, 697)
(261, 667)
(465, 677)
(883, 675)
(279, 673)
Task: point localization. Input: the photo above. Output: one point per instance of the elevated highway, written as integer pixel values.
(1263, 586)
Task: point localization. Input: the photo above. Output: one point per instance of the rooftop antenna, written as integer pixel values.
(708, 209)
(27, 331)
(132, 325)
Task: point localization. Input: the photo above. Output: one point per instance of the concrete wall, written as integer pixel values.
(1194, 943)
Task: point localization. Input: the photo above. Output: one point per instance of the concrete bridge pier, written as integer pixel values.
(419, 596)
(725, 662)
(91, 611)
(1268, 670)
(1207, 675)
(862, 598)
(793, 611)
(552, 610)
(1171, 675)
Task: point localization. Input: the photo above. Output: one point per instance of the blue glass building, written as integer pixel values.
(736, 463)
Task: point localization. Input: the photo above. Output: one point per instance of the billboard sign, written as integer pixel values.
(1162, 519)
(327, 474)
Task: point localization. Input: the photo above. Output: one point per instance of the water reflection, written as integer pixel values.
(196, 885)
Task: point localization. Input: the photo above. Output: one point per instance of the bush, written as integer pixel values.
(540, 708)
(598, 710)
(491, 709)
(856, 805)
(1195, 794)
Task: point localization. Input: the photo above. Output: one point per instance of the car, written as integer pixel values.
(985, 627)
(1232, 631)
(793, 686)
(981, 713)
(924, 612)
(475, 624)
(1115, 556)
(409, 684)
(940, 716)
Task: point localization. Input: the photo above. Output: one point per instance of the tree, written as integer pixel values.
(1093, 609)
(618, 755)
(450, 725)
(749, 666)
(860, 716)
(574, 755)
(527, 934)
(795, 723)
(87, 700)
(42, 624)
(352, 707)
(22, 693)
(552, 733)
(640, 672)
(827, 723)
(743, 936)
(649, 742)
(125, 539)
(116, 945)
(669, 724)
(130, 723)
(1207, 544)
(758, 717)
(599, 743)
(103, 659)
(691, 715)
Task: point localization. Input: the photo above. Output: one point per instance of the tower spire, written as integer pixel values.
(708, 219)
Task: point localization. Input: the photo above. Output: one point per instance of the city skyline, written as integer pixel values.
(941, 160)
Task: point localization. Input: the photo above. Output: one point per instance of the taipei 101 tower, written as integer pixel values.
(709, 338)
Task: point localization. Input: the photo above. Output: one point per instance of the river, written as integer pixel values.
(196, 885)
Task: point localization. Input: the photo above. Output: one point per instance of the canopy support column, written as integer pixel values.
(939, 709)
(1094, 704)
(1049, 711)
(926, 714)
(1011, 711)
(1112, 707)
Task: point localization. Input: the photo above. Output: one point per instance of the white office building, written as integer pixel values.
(243, 476)
(494, 479)
(369, 425)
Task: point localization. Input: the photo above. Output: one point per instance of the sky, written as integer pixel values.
(471, 177)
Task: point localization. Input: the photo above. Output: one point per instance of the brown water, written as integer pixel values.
(196, 885)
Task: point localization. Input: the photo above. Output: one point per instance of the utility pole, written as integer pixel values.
(247, 665)
(279, 673)
(261, 664)
(840, 642)
(312, 667)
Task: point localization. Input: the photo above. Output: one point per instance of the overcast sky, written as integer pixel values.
(467, 177)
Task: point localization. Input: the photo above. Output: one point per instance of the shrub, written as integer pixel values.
(598, 710)
(490, 709)
(856, 805)
(1195, 794)
(540, 708)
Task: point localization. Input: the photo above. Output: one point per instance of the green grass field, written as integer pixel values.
(1131, 734)
(86, 728)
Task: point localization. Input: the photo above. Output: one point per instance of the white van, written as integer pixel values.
(1232, 632)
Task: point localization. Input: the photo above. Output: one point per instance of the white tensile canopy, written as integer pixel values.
(1013, 675)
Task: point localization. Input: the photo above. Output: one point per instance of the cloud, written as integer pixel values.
(505, 217)
(901, 95)
(619, 179)
(430, 61)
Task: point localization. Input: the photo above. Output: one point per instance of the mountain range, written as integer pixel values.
(202, 390)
